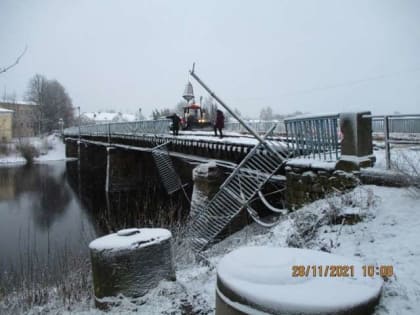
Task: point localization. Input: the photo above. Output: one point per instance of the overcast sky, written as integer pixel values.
(312, 56)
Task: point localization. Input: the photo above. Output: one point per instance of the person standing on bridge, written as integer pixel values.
(219, 124)
(175, 123)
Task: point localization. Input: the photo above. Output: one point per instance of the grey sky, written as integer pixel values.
(314, 56)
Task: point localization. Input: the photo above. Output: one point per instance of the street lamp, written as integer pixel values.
(78, 109)
(61, 125)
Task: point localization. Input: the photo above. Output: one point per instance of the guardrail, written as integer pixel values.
(314, 136)
(260, 126)
(397, 123)
(160, 126)
(401, 124)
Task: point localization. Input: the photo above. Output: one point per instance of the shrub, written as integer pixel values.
(407, 164)
(4, 147)
(28, 151)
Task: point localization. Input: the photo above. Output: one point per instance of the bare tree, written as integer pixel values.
(266, 113)
(53, 101)
(210, 108)
(179, 108)
(2, 70)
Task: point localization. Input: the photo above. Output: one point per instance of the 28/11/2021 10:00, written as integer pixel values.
(340, 271)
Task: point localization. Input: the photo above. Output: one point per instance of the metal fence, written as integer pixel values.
(397, 123)
(160, 126)
(401, 124)
(314, 136)
(259, 126)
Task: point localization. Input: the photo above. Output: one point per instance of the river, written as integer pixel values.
(52, 211)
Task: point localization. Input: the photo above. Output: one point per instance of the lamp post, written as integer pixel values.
(78, 108)
(61, 125)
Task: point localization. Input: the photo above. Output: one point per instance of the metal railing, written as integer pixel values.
(160, 126)
(314, 136)
(400, 124)
(259, 126)
(397, 124)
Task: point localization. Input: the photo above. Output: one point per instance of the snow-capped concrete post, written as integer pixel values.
(356, 142)
(273, 280)
(130, 263)
(207, 179)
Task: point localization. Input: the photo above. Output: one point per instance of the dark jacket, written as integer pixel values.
(220, 120)
(175, 121)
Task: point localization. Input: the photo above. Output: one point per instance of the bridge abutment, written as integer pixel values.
(123, 170)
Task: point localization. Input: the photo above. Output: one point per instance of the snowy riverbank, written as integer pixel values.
(387, 235)
(51, 148)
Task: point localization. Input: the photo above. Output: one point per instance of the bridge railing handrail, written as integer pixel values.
(397, 123)
(314, 136)
(261, 126)
(400, 124)
(160, 126)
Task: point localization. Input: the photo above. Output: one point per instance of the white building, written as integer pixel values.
(105, 117)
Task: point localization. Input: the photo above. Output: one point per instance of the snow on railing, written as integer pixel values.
(315, 136)
(160, 126)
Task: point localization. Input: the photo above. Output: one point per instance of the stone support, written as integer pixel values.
(356, 142)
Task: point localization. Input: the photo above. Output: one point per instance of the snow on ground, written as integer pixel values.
(51, 148)
(387, 235)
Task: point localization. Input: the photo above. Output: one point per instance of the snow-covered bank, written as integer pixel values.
(387, 235)
(51, 148)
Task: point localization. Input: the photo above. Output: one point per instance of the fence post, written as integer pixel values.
(387, 145)
(109, 133)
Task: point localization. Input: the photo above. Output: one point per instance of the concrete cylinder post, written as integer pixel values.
(356, 142)
(130, 263)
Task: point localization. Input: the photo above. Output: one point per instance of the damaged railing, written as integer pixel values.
(160, 126)
(314, 136)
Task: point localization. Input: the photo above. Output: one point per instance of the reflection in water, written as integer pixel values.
(147, 205)
(51, 212)
(39, 216)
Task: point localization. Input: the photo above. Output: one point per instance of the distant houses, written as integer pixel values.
(105, 117)
(6, 117)
(18, 119)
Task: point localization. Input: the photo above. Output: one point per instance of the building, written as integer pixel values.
(25, 118)
(6, 124)
(105, 117)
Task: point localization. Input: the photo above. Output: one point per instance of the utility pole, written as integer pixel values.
(78, 108)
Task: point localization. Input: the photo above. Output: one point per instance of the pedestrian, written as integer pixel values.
(219, 123)
(175, 123)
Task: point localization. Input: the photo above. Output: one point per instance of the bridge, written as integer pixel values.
(308, 156)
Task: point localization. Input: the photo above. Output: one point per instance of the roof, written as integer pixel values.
(4, 111)
(17, 103)
(107, 116)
